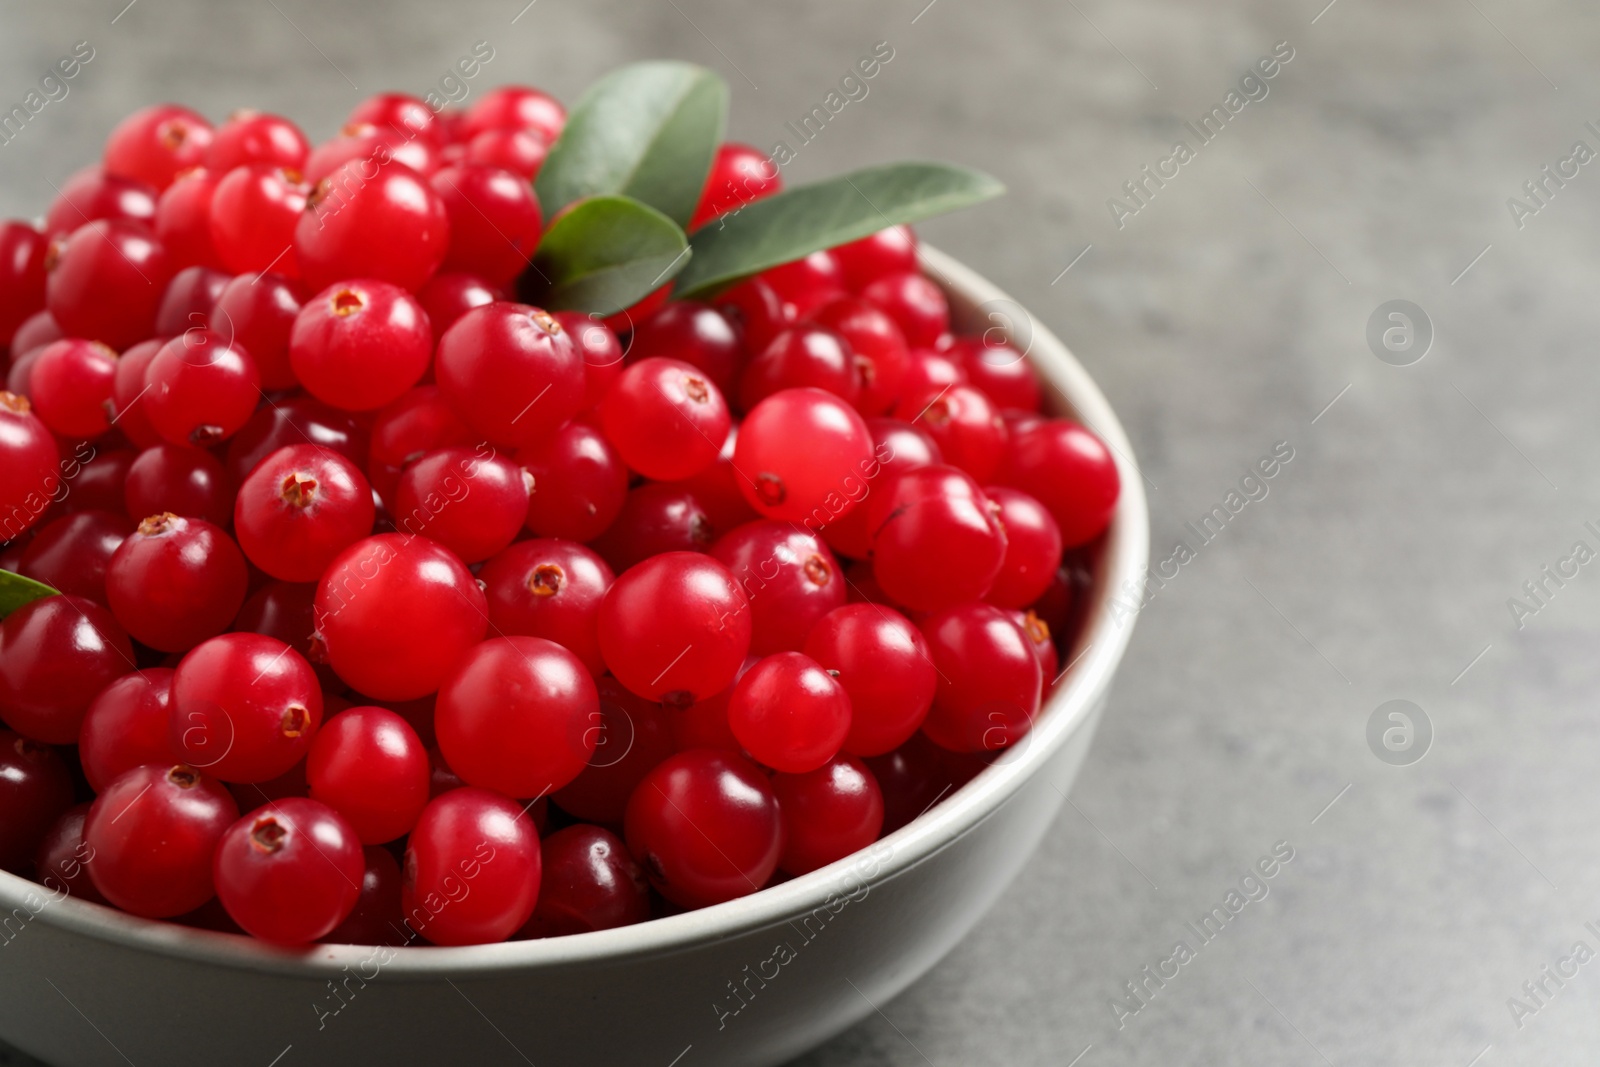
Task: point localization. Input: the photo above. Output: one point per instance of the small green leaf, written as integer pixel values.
(606, 253)
(15, 591)
(802, 220)
(648, 131)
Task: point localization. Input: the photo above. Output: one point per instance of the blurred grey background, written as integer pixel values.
(1222, 317)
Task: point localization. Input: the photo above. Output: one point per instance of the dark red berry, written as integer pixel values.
(579, 483)
(696, 334)
(588, 881)
(375, 920)
(789, 577)
(244, 707)
(175, 582)
(128, 724)
(255, 210)
(448, 296)
(290, 871)
(29, 475)
(70, 554)
(799, 357)
(35, 789)
(828, 813)
(473, 840)
(157, 143)
(989, 679)
(258, 312)
(915, 303)
(550, 589)
(1070, 471)
(675, 625)
(61, 863)
(882, 661)
(892, 250)
(368, 764)
(666, 418)
(495, 222)
(372, 219)
(631, 737)
(360, 344)
(656, 517)
(471, 501)
(190, 298)
(739, 175)
(201, 388)
(185, 481)
(56, 654)
(937, 540)
(153, 832)
(511, 372)
(106, 283)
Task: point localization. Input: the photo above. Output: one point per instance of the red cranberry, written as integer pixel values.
(1004, 374)
(255, 210)
(518, 151)
(37, 330)
(127, 394)
(447, 297)
(371, 148)
(515, 107)
(22, 274)
(301, 507)
(472, 869)
(28, 466)
(915, 303)
(716, 489)
(128, 724)
(696, 334)
(70, 386)
(597, 343)
(877, 345)
(183, 219)
(472, 501)
(965, 424)
(106, 283)
(656, 517)
(369, 765)
(675, 624)
(632, 735)
(184, 481)
(1037, 631)
(201, 388)
(936, 538)
(98, 485)
(286, 611)
(296, 421)
(579, 483)
(802, 356)
(789, 577)
(807, 283)
(56, 654)
(550, 589)
(372, 221)
(1070, 471)
(360, 344)
(511, 372)
(666, 418)
(290, 871)
(913, 778)
(258, 312)
(190, 298)
(156, 143)
(828, 813)
(801, 456)
(882, 661)
(417, 423)
(257, 137)
(739, 175)
(35, 789)
(587, 882)
(91, 194)
(405, 115)
(244, 707)
(896, 446)
(756, 311)
(989, 679)
(1033, 549)
(789, 713)
(62, 861)
(495, 222)
(375, 920)
(70, 554)
(889, 251)
(175, 582)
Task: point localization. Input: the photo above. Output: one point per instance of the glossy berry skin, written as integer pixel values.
(29, 475)
(597, 343)
(495, 222)
(190, 298)
(399, 112)
(801, 456)
(183, 219)
(579, 483)
(185, 481)
(516, 716)
(881, 659)
(930, 372)
(1070, 471)
(936, 538)
(518, 151)
(675, 626)
(298, 420)
(259, 313)
(756, 310)
(588, 881)
(153, 831)
(22, 274)
(896, 446)
(989, 679)
(256, 137)
(916, 304)
(789, 577)
(127, 394)
(472, 501)
(656, 517)
(360, 344)
(789, 713)
(1033, 549)
(290, 871)
(479, 839)
(201, 388)
(61, 863)
(695, 333)
(550, 589)
(100, 476)
(367, 606)
(511, 372)
(807, 283)
(666, 418)
(877, 346)
(286, 611)
(106, 283)
(716, 490)
(300, 508)
(91, 194)
(739, 175)
(828, 813)
(368, 764)
(175, 581)
(71, 385)
(448, 296)
(892, 250)
(965, 424)
(515, 107)
(417, 423)
(372, 221)
(375, 920)
(157, 143)
(128, 724)
(370, 148)
(56, 654)
(632, 735)
(1003, 373)
(798, 357)
(255, 211)
(35, 789)
(70, 554)
(244, 707)
(705, 827)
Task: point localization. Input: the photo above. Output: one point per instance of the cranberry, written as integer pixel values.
(1070, 471)
(201, 388)
(365, 221)
(447, 297)
(495, 222)
(290, 871)
(98, 485)
(298, 420)
(368, 604)
(360, 344)
(579, 483)
(675, 624)
(56, 654)
(929, 372)
(375, 920)
(518, 151)
(989, 679)
(128, 724)
(936, 538)
(35, 789)
(511, 372)
(597, 343)
(106, 283)
(286, 611)
(877, 345)
(183, 219)
(153, 831)
(1004, 374)
(696, 334)
(62, 860)
(258, 312)
(912, 778)
(883, 663)
(300, 508)
(892, 250)
(828, 813)
(789, 577)
(666, 418)
(369, 765)
(1033, 549)
(403, 114)
(807, 283)
(756, 311)
(91, 194)
(175, 582)
(706, 828)
(22, 274)
(28, 471)
(70, 386)
(1037, 631)
(190, 298)
(716, 489)
(915, 303)
(739, 175)
(515, 107)
(587, 882)
(801, 455)
(655, 518)
(896, 446)
(184, 481)
(471, 870)
(472, 501)
(255, 211)
(789, 713)
(963, 422)
(257, 137)
(244, 707)
(802, 356)
(370, 148)
(632, 735)
(36, 331)
(70, 554)
(127, 394)
(417, 423)
(550, 589)
(156, 143)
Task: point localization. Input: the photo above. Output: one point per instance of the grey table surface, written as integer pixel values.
(1228, 313)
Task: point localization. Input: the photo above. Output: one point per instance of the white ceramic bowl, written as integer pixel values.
(748, 983)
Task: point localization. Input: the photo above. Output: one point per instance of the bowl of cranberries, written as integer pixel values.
(519, 585)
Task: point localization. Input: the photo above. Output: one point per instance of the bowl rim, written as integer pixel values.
(1097, 651)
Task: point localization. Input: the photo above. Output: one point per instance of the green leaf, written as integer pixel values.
(606, 253)
(15, 591)
(648, 131)
(802, 220)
